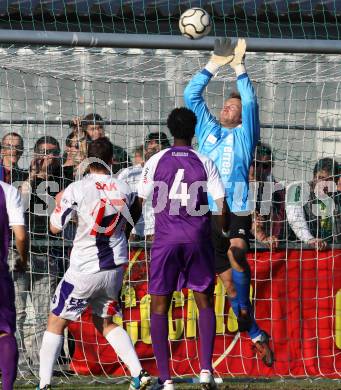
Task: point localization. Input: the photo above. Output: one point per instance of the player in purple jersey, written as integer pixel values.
(182, 255)
(11, 216)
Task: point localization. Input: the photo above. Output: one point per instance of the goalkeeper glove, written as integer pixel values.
(237, 64)
(222, 54)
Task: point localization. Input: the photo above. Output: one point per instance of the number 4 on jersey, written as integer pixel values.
(178, 185)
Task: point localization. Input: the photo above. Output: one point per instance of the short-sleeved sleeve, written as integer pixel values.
(215, 186)
(14, 207)
(146, 183)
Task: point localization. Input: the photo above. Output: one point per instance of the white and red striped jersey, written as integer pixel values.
(101, 205)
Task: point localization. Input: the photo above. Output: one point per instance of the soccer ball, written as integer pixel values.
(195, 23)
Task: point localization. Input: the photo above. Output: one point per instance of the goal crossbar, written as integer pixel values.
(150, 41)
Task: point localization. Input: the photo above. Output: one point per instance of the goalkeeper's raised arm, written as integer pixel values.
(230, 141)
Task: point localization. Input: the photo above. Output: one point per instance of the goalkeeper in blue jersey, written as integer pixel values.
(230, 142)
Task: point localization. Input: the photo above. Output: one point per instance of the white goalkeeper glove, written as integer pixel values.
(237, 63)
(222, 54)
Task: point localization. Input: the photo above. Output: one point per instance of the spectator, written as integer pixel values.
(46, 179)
(76, 145)
(154, 143)
(138, 155)
(269, 217)
(258, 228)
(12, 147)
(93, 125)
(11, 150)
(318, 221)
(144, 228)
(121, 159)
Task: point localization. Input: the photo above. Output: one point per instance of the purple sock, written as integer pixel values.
(159, 333)
(8, 361)
(207, 328)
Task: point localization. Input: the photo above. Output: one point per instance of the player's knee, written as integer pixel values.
(204, 301)
(160, 304)
(230, 290)
(159, 309)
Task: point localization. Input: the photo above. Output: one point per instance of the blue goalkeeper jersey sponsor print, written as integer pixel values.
(231, 150)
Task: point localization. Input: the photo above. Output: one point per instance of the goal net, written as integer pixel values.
(296, 290)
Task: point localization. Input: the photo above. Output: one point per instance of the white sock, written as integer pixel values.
(258, 338)
(49, 351)
(119, 339)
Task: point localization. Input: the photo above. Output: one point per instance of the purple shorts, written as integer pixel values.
(7, 305)
(177, 266)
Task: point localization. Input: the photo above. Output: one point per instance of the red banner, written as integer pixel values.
(297, 296)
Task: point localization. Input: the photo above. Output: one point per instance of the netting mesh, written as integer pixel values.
(299, 95)
(42, 89)
(252, 18)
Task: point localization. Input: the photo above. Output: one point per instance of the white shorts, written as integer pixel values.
(76, 291)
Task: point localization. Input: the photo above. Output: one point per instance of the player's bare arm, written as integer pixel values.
(58, 198)
(21, 242)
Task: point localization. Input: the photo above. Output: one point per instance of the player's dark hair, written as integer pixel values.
(235, 95)
(13, 134)
(160, 137)
(181, 123)
(46, 139)
(92, 119)
(327, 164)
(101, 149)
(120, 159)
(264, 150)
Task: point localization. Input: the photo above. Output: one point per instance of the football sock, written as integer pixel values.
(254, 331)
(159, 333)
(8, 360)
(241, 281)
(49, 351)
(119, 339)
(207, 329)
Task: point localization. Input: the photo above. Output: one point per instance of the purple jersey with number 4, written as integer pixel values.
(180, 178)
(182, 252)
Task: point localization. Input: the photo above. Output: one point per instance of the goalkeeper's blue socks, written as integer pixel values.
(241, 282)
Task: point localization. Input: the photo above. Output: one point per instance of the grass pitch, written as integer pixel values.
(228, 384)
